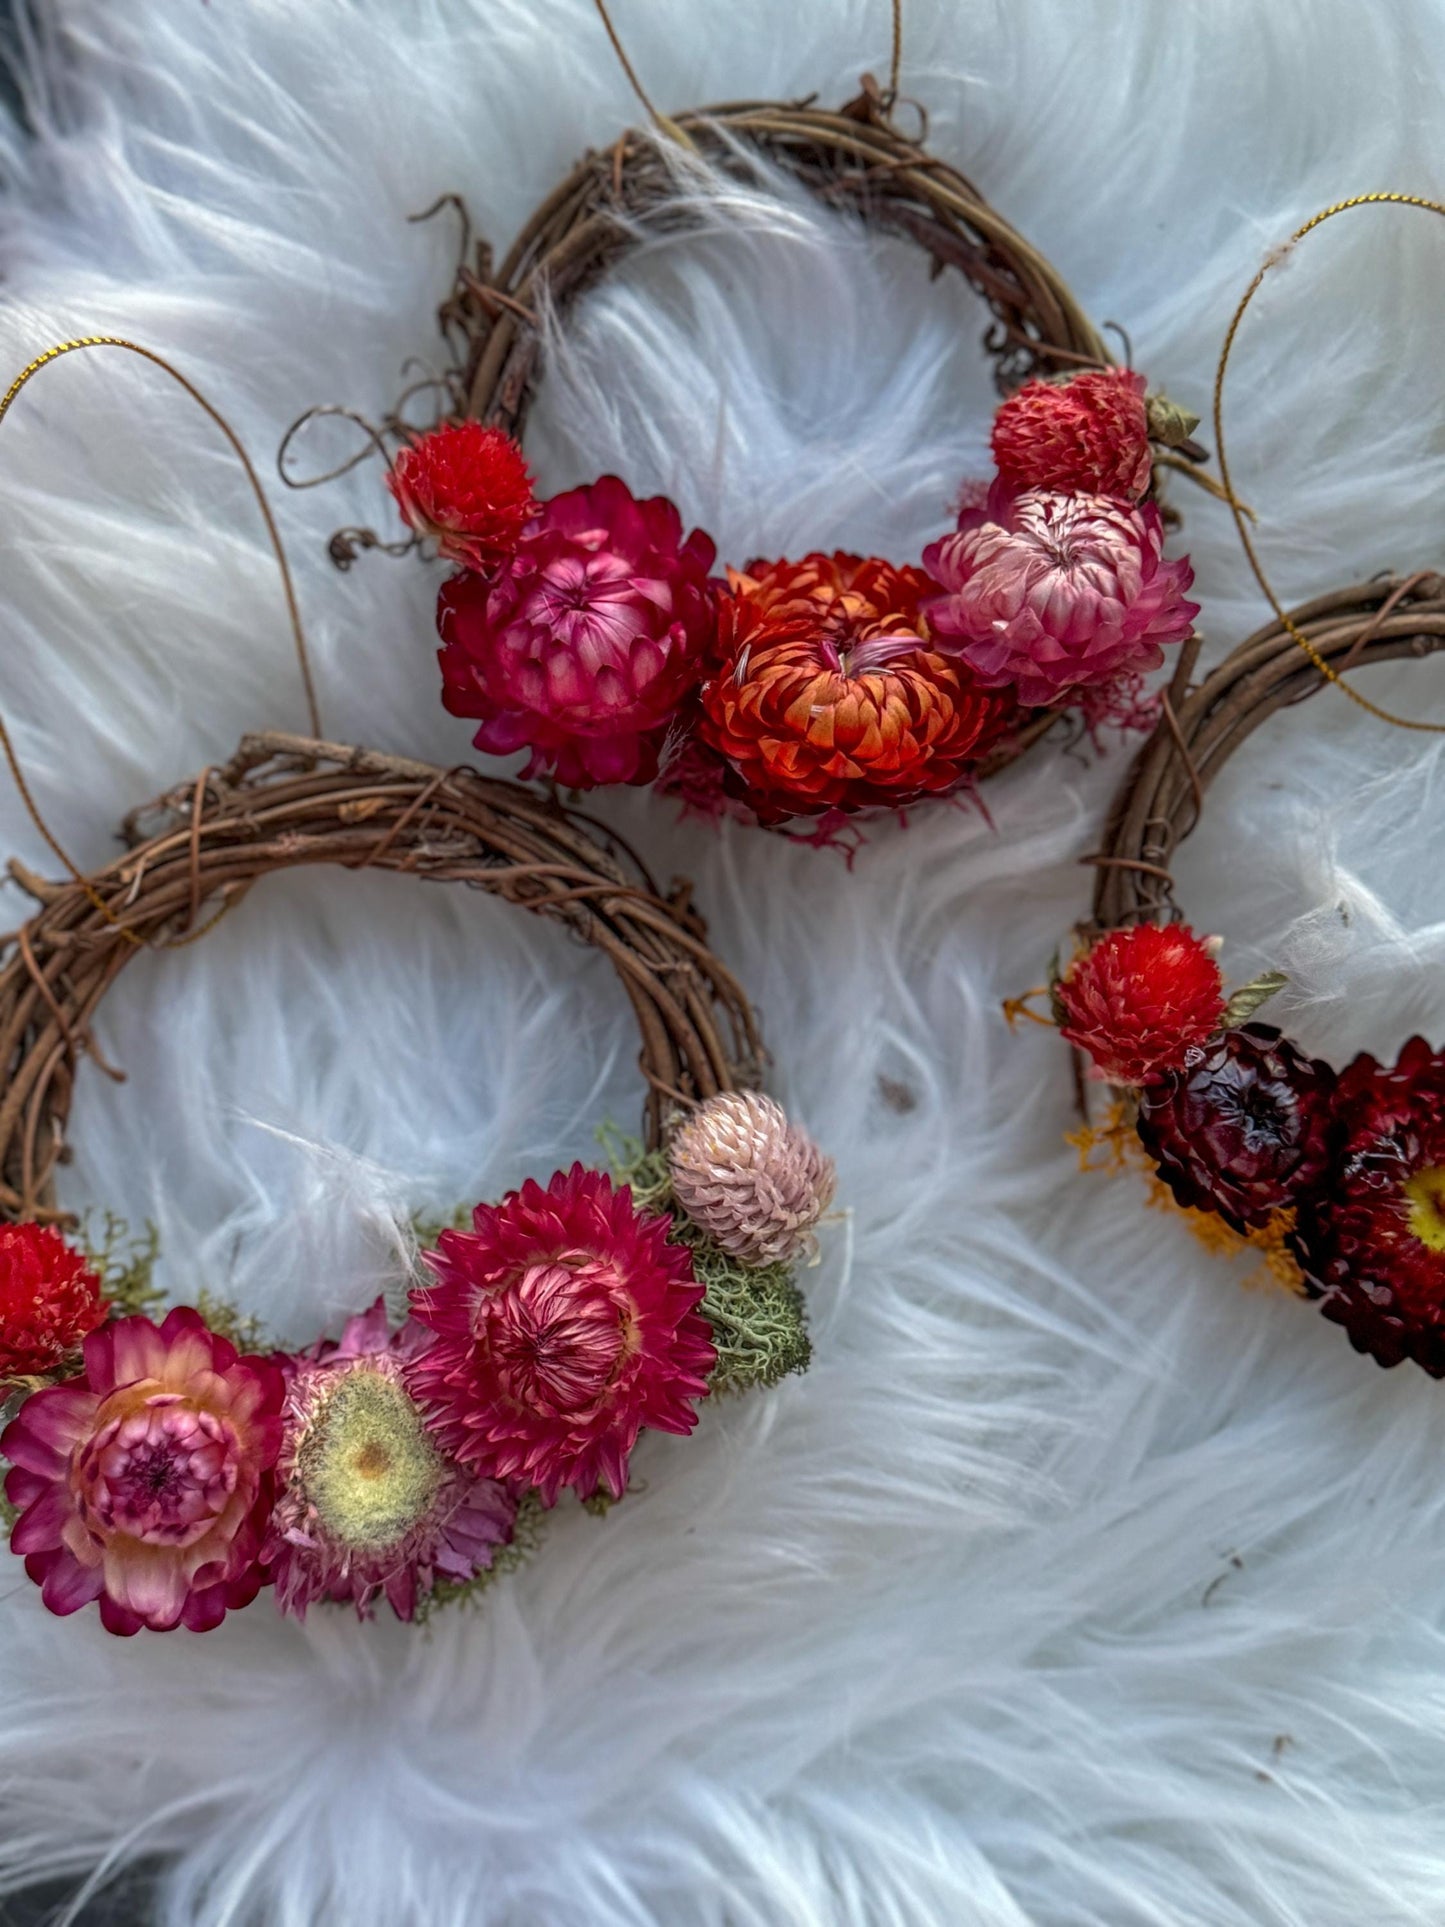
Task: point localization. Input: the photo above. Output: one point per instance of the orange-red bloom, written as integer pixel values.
(825, 692)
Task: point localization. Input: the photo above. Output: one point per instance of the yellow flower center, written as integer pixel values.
(1425, 1196)
(368, 1464)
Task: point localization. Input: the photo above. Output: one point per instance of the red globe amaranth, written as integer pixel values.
(825, 692)
(1139, 998)
(1085, 436)
(468, 488)
(146, 1482)
(1050, 594)
(50, 1298)
(566, 1322)
(1242, 1128)
(1371, 1241)
(585, 642)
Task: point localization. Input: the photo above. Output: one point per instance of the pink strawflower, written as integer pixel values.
(369, 1505)
(468, 489)
(1085, 436)
(566, 1322)
(146, 1482)
(584, 644)
(1052, 594)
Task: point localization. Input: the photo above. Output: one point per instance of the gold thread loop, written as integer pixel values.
(7, 746)
(1237, 508)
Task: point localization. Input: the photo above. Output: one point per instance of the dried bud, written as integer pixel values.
(752, 1181)
(1168, 422)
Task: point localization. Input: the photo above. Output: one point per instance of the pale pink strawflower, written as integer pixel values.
(583, 644)
(566, 1321)
(749, 1178)
(1051, 594)
(146, 1482)
(370, 1506)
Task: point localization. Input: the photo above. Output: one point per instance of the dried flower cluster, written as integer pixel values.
(590, 632)
(167, 1475)
(1345, 1172)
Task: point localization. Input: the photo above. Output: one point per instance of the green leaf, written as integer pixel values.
(1251, 996)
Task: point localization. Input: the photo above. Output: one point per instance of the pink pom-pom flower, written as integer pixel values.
(1087, 436)
(1053, 594)
(583, 645)
(369, 1504)
(566, 1321)
(146, 1482)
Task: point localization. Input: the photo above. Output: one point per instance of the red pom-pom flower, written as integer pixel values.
(566, 1322)
(146, 1483)
(1139, 999)
(467, 487)
(583, 645)
(826, 693)
(1052, 594)
(50, 1298)
(1085, 436)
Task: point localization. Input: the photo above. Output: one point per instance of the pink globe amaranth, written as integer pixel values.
(145, 1483)
(369, 1505)
(583, 644)
(566, 1321)
(1052, 593)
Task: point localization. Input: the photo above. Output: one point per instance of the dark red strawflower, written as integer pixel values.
(566, 1321)
(1139, 999)
(1371, 1242)
(1085, 436)
(584, 644)
(50, 1297)
(1242, 1128)
(467, 487)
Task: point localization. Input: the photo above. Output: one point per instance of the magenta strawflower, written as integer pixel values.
(566, 1321)
(370, 1506)
(1050, 594)
(146, 1482)
(582, 646)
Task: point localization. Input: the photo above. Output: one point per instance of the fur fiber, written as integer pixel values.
(1075, 1586)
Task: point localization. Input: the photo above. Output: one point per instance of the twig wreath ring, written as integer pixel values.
(168, 1468)
(590, 630)
(1336, 1179)
(169, 1474)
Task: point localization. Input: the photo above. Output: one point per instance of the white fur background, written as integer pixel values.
(1075, 1587)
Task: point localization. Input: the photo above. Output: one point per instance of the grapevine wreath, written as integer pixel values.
(591, 631)
(1337, 1177)
(170, 1465)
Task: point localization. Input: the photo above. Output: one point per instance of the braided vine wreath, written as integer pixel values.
(170, 1470)
(591, 632)
(1338, 1178)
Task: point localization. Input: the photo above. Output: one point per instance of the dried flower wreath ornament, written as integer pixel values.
(590, 631)
(1337, 1179)
(170, 1467)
